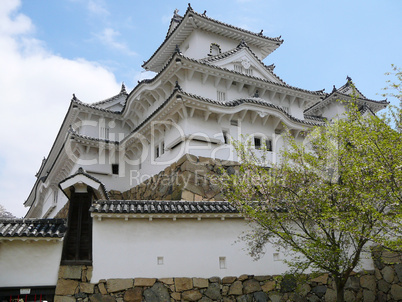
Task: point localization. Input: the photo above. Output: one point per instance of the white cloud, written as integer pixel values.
(97, 7)
(108, 37)
(35, 91)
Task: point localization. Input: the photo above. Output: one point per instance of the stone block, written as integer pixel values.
(398, 271)
(352, 283)
(396, 292)
(260, 297)
(187, 196)
(168, 281)
(368, 296)
(200, 282)
(198, 197)
(320, 290)
(206, 160)
(228, 280)
(368, 282)
(213, 291)
(102, 288)
(88, 276)
(64, 299)
(262, 278)
(304, 290)
(182, 284)
(383, 286)
(268, 286)
(236, 288)
(274, 297)
(116, 285)
(321, 279)
(87, 288)
(158, 292)
(349, 296)
(101, 298)
(144, 281)
(251, 286)
(70, 272)
(389, 257)
(66, 287)
(330, 295)
(191, 295)
(215, 279)
(388, 274)
(133, 295)
(194, 189)
(242, 277)
(176, 296)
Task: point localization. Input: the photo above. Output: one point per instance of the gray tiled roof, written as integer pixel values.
(36, 228)
(162, 207)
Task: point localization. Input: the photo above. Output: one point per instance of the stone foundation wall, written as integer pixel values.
(191, 178)
(382, 284)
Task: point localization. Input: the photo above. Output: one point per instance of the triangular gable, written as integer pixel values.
(347, 92)
(80, 181)
(243, 60)
(115, 103)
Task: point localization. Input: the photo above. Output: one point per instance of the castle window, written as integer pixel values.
(214, 49)
(115, 169)
(221, 96)
(226, 139)
(222, 262)
(262, 144)
(159, 149)
(257, 143)
(104, 132)
(238, 68)
(248, 72)
(234, 123)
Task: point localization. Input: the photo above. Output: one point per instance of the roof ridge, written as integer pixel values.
(123, 91)
(190, 9)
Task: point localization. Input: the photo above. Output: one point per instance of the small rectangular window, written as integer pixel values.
(268, 144)
(238, 68)
(156, 151)
(162, 147)
(104, 132)
(222, 262)
(257, 143)
(234, 123)
(225, 137)
(159, 260)
(221, 96)
(115, 169)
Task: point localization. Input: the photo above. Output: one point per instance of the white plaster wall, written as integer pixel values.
(29, 263)
(189, 248)
(333, 110)
(197, 45)
(92, 127)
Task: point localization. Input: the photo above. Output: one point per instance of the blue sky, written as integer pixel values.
(52, 49)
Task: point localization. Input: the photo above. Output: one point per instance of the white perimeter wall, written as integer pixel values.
(25, 263)
(190, 248)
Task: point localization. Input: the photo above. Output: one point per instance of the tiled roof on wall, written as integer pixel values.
(161, 207)
(36, 228)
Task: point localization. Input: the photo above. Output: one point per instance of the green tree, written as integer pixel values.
(329, 198)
